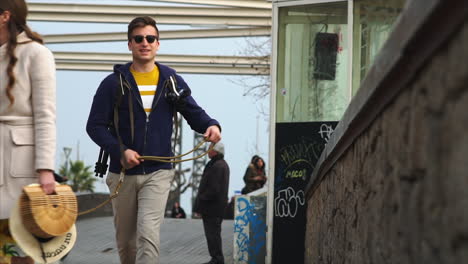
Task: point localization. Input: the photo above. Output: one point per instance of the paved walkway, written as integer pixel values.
(182, 242)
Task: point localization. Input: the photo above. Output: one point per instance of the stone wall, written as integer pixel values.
(399, 194)
(91, 200)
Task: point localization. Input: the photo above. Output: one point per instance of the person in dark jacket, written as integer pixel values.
(132, 116)
(212, 199)
(254, 176)
(177, 211)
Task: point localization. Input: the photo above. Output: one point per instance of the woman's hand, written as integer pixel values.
(47, 181)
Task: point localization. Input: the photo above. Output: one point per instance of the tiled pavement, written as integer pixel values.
(182, 242)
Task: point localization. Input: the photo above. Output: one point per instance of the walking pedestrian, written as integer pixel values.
(140, 99)
(27, 116)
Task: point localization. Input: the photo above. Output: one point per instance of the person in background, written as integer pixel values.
(177, 211)
(144, 93)
(254, 176)
(212, 199)
(229, 211)
(27, 116)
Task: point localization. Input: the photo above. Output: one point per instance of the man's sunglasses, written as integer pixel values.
(149, 38)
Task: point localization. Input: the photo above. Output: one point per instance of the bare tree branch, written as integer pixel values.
(258, 86)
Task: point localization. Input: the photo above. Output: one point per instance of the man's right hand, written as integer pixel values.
(130, 159)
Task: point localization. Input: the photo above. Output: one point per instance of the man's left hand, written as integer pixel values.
(213, 134)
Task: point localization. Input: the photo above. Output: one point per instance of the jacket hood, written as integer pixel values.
(124, 69)
(121, 68)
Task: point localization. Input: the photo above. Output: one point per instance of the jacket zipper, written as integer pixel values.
(146, 127)
(144, 142)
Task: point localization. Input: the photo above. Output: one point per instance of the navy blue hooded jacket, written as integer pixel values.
(152, 134)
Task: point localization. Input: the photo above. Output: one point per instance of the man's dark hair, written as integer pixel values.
(141, 22)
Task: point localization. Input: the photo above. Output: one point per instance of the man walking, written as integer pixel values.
(131, 116)
(212, 199)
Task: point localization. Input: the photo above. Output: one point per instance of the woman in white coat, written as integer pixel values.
(27, 115)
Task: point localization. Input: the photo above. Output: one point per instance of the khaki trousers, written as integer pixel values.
(138, 213)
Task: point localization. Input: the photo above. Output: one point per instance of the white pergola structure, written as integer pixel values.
(231, 18)
(205, 18)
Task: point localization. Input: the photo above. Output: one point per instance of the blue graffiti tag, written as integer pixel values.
(248, 247)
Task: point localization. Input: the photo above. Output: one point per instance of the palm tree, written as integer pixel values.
(79, 176)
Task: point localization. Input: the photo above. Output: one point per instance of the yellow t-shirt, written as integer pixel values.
(147, 84)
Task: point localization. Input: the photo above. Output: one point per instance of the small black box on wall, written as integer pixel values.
(326, 49)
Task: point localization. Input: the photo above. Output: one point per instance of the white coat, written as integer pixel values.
(27, 128)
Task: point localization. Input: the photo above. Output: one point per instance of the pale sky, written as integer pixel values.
(243, 125)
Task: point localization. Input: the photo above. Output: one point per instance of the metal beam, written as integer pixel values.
(172, 20)
(194, 69)
(147, 10)
(248, 4)
(162, 14)
(177, 59)
(178, 15)
(314, 20)
(165, 35)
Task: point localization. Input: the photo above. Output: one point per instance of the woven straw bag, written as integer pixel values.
(47, 216)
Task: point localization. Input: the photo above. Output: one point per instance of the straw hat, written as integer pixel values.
(39, 241)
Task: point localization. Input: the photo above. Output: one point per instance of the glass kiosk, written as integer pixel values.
(322, 51)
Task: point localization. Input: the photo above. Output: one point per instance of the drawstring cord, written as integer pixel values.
(175, 159)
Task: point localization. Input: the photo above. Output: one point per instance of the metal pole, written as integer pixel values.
(271, 159)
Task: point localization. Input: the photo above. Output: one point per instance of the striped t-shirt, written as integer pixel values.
(147, 83)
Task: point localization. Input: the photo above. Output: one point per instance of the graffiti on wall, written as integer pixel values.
(295, 162)
(249, 231)
(298, 147)
(288, 201)
(325, 131)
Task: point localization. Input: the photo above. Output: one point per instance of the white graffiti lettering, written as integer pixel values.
(325, 132)
(288, 202)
